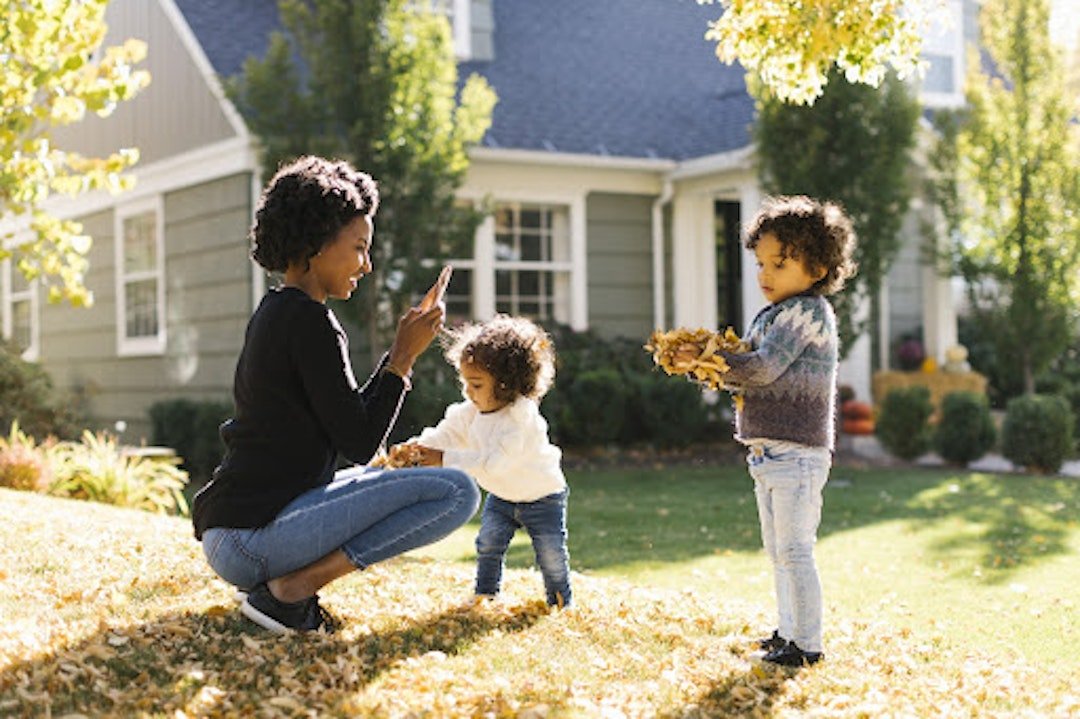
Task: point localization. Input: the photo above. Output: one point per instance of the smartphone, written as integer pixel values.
(433, 298)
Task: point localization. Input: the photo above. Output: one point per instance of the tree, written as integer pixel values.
(853, 146)
(376, 84)
(1018, 191)
(795, 46)
(49, 79)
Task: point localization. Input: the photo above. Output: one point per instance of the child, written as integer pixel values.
(784, 390)
(499, 437)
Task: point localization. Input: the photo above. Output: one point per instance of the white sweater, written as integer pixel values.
(508, 452)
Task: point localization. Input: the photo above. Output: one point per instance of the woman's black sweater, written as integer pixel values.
(298, 406)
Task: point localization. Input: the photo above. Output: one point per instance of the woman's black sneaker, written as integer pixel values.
(279, 617)
(790, 655)
(771, 643)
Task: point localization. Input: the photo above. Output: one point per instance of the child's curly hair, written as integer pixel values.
(304, 206)
(819, 234)
(516, 351)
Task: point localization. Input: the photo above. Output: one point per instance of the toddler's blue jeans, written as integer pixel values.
(788, 481)
(371, 515)
(545, 521)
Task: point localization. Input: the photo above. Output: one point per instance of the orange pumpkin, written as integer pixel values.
(854, 409)
(858, 426)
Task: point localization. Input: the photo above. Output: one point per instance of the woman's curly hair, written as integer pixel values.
(819, 234)
(304, 206)
(517, 352)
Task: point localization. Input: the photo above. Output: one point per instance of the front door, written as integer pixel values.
(728, 265)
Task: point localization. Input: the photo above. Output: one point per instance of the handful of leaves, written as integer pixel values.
(398, 456)
(693, 353)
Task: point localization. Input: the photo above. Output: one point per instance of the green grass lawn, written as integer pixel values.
(948, 594)
(991, 561)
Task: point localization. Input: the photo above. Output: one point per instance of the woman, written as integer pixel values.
(276, 520)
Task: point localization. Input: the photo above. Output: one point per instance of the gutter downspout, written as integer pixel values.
(659, 308)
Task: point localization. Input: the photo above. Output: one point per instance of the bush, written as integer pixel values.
(591, 409)
(965, 431)
(672, 413)
(192, 429)
(28, 397)
(23, 465)
(903, 425)
(97, 469)
(1062, 378)
(1037, 433)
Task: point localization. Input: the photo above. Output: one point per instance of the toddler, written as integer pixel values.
(785, 394)
(499, 437)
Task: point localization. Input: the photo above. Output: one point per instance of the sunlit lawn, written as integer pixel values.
(991, 561)
(948, 594)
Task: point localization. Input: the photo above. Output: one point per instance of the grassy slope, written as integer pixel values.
(110, 611)
(989, 561)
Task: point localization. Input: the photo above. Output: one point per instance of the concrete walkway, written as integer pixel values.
(869, 449)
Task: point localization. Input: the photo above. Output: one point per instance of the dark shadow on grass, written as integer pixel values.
(753, 693)
(633, 516)
(225, 664)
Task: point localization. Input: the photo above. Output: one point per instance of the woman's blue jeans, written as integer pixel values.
(371, 515)
(788, 481)
(545, 521)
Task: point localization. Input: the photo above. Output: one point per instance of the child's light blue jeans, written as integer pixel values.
(545, 521)
(371, 515)
(788, 481)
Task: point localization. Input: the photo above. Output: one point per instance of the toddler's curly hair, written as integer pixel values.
(304, 206)
(517, 352)
(820, 234)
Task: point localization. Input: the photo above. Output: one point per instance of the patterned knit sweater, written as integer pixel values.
(785, 386)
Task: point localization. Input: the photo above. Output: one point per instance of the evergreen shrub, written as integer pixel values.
(192, 429)
(903, 424)
(27, 396)
(965, 430)
(1038, 432)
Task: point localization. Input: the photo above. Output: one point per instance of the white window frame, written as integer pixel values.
(483, 264)
(459, 13)
(150, 345)
(10, 297)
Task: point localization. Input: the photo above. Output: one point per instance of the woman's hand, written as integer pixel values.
(418, 327)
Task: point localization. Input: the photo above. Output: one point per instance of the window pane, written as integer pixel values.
(533, 248)
(504, 218)
(19, 283)
(529, 283)
(140, 246)
(459, 296)
(505, 249)
(503, 282)
(21, 335)
(939, 76)
(140, 309)
(531, 218)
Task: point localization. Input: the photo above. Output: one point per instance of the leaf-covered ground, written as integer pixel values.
(112, 612)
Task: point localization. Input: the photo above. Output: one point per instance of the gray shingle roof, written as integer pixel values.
(633, 78)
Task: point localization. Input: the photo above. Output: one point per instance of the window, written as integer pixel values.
(20, 312)
(459, 15)
(140, 279)
(523, 264)
(939, 75)
(532, 261)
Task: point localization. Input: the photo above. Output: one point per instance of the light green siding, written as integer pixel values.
(208, 302)
(176, 113)
(619, 232)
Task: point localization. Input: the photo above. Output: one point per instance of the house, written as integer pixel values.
(619, 162)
